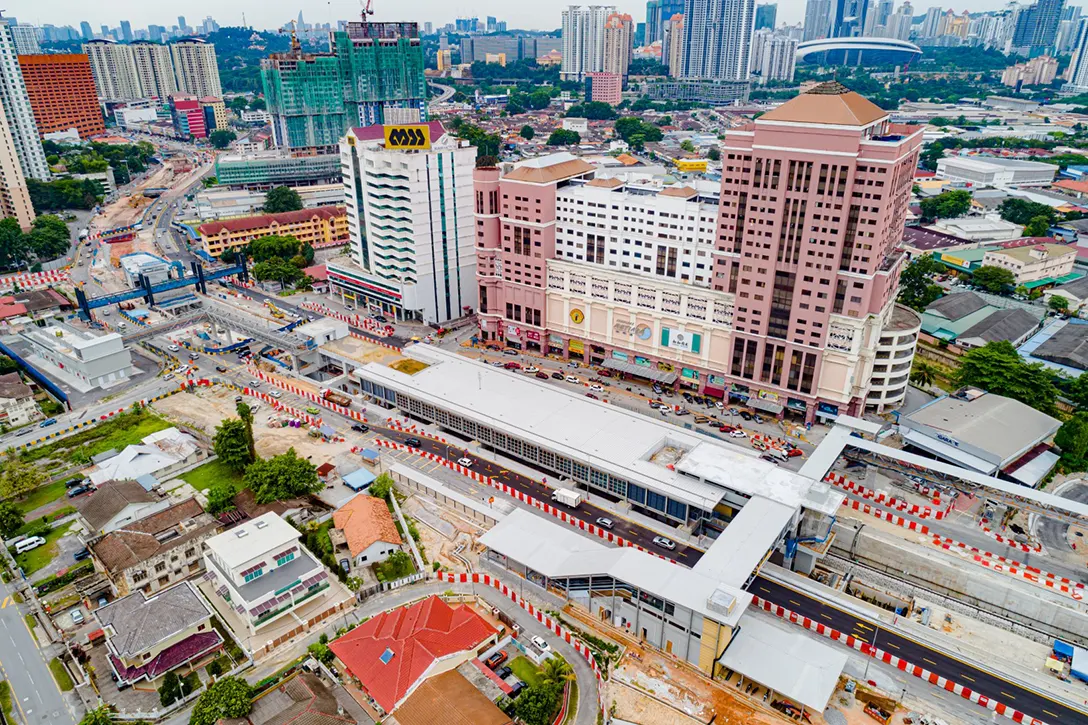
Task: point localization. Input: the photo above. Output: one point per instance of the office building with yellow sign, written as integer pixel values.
(409, 199)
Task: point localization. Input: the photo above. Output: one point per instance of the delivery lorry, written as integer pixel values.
(567, 497)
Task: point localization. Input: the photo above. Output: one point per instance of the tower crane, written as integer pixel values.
(368, 9)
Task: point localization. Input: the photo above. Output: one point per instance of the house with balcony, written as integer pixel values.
(156, 551)
(150, 636)
(17, 405)
(259, 573)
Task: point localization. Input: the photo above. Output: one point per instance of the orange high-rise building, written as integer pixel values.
(62, 93)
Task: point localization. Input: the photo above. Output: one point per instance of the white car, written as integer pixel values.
(276, 394)
(572, 379)
(466, 462)
(719, 405)
(168, 376)
(737, 433)
(184, 370)
(532, 369)
(541, 644)
(254, 383)
(664, 543)
(596, 388)
(173, 348)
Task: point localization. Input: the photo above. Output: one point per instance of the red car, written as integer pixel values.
(592, 396)
(727, 429)
(512, 366)
(795, 452)
(604, 373)
(542, 376)
(496, 659)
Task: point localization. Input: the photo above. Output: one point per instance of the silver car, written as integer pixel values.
(665, 543)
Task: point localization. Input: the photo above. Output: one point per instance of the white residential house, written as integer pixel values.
(17, 405)
(160, 454)
(363, 532)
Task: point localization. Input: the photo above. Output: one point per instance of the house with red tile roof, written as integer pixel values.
(392, 653)
(363, 532)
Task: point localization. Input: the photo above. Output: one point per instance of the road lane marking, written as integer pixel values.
(1052, 714)
(794, 603)
(1011, 697)
(861, 625)
(765, 590)
(926, 659)
(968, 678)
(891, 644)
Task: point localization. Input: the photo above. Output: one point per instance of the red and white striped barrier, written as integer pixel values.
(1005, 565)
(33, 279)
(312, 397)
(357, 320)
(886, 516)
(900, 664)
(922, 512)
(1007, 541)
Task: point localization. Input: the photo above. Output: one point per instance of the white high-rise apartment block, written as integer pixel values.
(1078, 67)
(674, 47)
(154, 70)
(776, 59)
(14, 197)
(718, 39)
(817, 19)
(25, 37)
(931, 23)
(412, 227)
(114, 69)
(583, 40)
(195, 68)
(619, 34)
(17, 111)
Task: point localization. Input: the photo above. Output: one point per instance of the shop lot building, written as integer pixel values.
(780, 302)
(662, 471)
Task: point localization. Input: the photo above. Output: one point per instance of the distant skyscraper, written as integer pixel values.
(85, 29)
(817, 19)
(619, 33)
(126, 31)
(154, 70)
(583, 40)
(654, 29)
(182, 25)
(1037, 27)
(777, 58)
(672, 49)
(766, 15)
(640, 35)
(17, 111)
(428, 28)
(1078, 68)
(114, 70)
(195, 68)
(314, 98)
(931, 23)
(105, 31)
(717, 39)
(491, 24)
(25, 37)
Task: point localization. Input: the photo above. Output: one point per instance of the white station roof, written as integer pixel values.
(555, 550)
(605, 436)
(801, 668)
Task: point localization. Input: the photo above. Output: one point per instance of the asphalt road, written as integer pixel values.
(36, 698)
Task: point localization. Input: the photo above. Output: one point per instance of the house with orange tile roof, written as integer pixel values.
(363, 532)
(392, 654)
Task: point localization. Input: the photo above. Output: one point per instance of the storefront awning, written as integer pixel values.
(641, 371)
(765, 405)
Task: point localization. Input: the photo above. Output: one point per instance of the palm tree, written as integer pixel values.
(555, 671)
(923, 374)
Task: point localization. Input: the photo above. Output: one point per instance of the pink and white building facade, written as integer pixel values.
(774, 289)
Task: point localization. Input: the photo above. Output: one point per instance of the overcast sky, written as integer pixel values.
(262, 14)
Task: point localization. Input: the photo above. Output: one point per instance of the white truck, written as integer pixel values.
(567, 497)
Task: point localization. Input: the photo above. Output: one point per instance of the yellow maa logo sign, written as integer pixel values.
(576, 316)
(407, 137)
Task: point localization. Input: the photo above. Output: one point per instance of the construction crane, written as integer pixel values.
(368, 9)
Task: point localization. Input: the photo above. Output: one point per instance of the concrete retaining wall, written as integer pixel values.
(963, 581)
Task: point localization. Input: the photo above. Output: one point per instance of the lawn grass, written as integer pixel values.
(33, 560)
(41, 496)
(205, 475)
(117, 432)
(53, 516)
(5, 701)
(60, 674)
(30, 624)
(526, 671)
(572, 704)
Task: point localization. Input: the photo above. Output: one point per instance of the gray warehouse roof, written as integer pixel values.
(1012, 324)
(956, 306)
(1067, 346)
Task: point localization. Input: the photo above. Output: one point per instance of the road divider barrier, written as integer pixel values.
(885, 516)
(356, 415)
(1026, 548)
(922, 512)
(32, 280)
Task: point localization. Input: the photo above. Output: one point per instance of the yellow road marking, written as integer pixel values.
(891, 644)
(794, 602)
(926, 659)
(1052, 714)
(862, 625)
(1011, 697)
(968, 678)
(4, 605)
(764, 589)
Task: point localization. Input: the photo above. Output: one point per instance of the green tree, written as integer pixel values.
(245, 414)
(487, 144)
(277, 269)
(257, 104)
(273, 246)
(282, 198)
(1072, 439)
(1077, 392)
(307, 252)
(593, 111)
(231, 444)
(320, 651)
(923, 373)
(221, 138)
(556, 671)
(398, 565)
(98, 716)
(282, 477)
(527, 132)
(238, 103)
(229, 697)
(514, 109)
(170, 690)
(997, 368)
(562, 137)
(1022, 211)
(916, 287)
(7, 365)
(1058, 303)
(687, 145)
(947, 205)
(11, 519)
(1037, 227)
(19, 477)
(14, 247)
(539, 100)
(714, 154)
(537, 704)
(49, 237)
(221, 497)
(993, 279)
(381, 486)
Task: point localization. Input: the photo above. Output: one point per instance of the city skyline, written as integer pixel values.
(277, 13)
